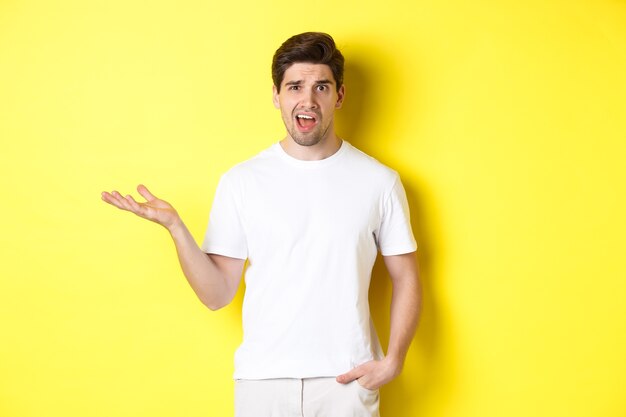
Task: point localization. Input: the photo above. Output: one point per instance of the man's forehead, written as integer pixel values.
(301, 71)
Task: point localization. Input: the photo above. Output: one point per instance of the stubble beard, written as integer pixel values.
(310, 138)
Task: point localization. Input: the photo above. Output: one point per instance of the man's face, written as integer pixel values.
(307, 101)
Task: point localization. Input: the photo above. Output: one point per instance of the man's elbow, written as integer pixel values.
(211, 304)
(214, 304)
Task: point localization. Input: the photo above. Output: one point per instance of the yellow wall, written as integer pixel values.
(505, 119)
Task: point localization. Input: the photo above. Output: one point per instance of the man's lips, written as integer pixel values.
(306, 121)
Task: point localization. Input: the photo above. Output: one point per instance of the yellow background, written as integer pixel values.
(506, 121)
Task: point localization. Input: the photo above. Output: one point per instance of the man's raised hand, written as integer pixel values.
(154, 209)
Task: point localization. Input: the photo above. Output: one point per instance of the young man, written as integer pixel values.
(309, 214)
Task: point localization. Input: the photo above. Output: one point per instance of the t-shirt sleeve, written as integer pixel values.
(225, 234)
(395, 235)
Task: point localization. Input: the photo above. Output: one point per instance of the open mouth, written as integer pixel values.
(306, 122)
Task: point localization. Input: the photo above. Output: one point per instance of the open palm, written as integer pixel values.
(153, 209)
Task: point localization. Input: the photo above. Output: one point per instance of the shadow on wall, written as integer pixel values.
(365, 94)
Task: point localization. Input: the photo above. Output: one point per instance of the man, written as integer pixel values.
(309, 215)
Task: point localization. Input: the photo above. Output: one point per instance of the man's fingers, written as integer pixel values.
(356, 373)
(106, 197)
(145, 193)
(113, 198)
(122, 202)
(140, 209)
(136, 207)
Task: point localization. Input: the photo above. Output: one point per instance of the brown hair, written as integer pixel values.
(310, 47)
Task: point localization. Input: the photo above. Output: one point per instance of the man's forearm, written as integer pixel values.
(405, 312)
(214, 283)
(406, 302)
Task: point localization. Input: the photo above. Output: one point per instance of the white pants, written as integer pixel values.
(309, 397)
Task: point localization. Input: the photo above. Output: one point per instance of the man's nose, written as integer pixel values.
(308, 100)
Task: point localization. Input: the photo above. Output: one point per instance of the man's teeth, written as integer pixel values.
(304, 116)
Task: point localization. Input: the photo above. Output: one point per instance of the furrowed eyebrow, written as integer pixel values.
(300, 82)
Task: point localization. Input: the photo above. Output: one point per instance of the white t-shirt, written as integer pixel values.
(310, 231)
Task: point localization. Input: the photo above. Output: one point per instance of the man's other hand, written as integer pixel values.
(373, 374)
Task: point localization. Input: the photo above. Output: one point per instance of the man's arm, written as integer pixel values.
(214, 278)
(405, 310)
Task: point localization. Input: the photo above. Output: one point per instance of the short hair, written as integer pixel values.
(309, 47)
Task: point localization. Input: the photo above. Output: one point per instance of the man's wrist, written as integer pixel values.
(176, 227)
(395, 362)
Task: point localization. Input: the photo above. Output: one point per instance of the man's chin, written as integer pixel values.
(306, 140)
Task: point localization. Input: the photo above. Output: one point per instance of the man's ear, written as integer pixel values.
(275, 97)
(340, 95)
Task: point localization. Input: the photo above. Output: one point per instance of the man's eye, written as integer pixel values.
(321, 88)
(294, 87)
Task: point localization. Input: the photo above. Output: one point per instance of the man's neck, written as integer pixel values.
(322, 150)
